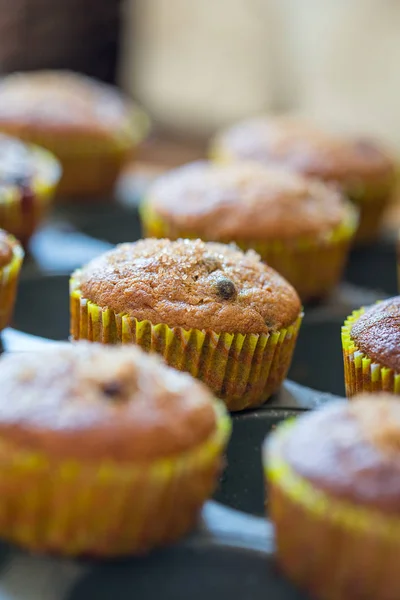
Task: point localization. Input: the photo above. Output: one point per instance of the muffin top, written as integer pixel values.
(190, 284)
(67, 103)
(7, 245)
(349, 450)
(306, 149)
(88, 401)
(246, 201)
(377, 333)
(22, 165)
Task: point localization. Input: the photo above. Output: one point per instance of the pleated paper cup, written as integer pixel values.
(244, 370)
(313, 266)
(108, 509)
(334, 549)
(9, 276)
(361, 373)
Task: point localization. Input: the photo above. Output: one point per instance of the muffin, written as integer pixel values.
(364, 171)
(334, 497)
(11, 258)
(28, 177)
(300, 227)
(88, 125)
(207, 308)
(106, 451)
(371, 348)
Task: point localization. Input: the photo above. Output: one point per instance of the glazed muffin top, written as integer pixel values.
(377, 333)
(24, 165)
(246, 201)
(88, 401)
(190, 284)
(62, 102)
(8, 245)
(306, 149)
(348, 450)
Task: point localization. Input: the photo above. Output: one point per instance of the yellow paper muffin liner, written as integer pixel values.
(361, 373)
(9, 275)
(333, 548)
(21, 218)
(110, 508)
(313, 267)
(244, 370)
(90, 166)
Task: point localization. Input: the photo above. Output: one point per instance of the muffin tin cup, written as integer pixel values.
(361, 373)
(107, 509)
(313, 267)
(9, 276)
(244, 370)
(333, 549)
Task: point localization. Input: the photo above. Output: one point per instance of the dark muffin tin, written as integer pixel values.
(231, 553)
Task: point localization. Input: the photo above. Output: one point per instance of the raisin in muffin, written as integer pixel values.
(208, 308)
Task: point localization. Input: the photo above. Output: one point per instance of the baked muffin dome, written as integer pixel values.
(245, 201)
(88, 125)
(209, 309)
(300, 227)
(333, 480)
(364, 170)
(28, 177)
(371, 339)
(191, 283)
(104, 426)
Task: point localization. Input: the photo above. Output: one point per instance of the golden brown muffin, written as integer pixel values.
(361, 167)
(88, 125)
(300, 227)
(85, 427)
(334, 484)
(208, 308)
(11, 258)
(28, 178)
(371, 340)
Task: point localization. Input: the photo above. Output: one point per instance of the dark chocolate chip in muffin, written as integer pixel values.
(112, 389)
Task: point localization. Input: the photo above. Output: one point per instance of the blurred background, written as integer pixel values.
(198, 65)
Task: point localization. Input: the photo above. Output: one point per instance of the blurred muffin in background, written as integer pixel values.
(371, 348)
(11, 258)
(362, 169)
(28, 178)
(105, 451)
(333, 480)
(88, 125)
(209, 309)
(302, 228)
